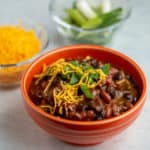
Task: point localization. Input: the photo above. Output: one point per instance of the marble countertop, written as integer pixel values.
(19, 132)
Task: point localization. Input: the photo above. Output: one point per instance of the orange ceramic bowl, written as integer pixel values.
(84, 132)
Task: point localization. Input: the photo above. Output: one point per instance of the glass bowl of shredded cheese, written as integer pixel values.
(21, 41)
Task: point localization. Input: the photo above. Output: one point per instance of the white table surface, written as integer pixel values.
(19, 132)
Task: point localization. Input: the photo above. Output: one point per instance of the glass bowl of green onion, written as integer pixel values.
(89, 21)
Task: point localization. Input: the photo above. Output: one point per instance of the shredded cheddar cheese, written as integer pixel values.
(68, 95)
(17, 44)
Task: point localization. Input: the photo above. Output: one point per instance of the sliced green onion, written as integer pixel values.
(76, 16)
(86, 9)
(94, 76)
(106, 68)
(92, 23)
(86, 91)
(110, 22)
(98, 10)
(74, 79)
(112, 14)
(111, 17)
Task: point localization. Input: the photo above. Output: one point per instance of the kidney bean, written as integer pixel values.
(105, 96)
(115, 110)
(78, 116)
(108, 113)
(128, 105)
(75, 116)
(128, 96)
(90, 115)
(109, 80)
(112, 91)
(83, 115)
(119, 75)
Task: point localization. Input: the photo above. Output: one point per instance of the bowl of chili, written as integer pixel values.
(84, 91)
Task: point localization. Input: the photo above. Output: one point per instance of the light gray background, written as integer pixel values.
(19, 132)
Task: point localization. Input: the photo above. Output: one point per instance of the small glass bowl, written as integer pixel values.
(10, 74)
(74, 34)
